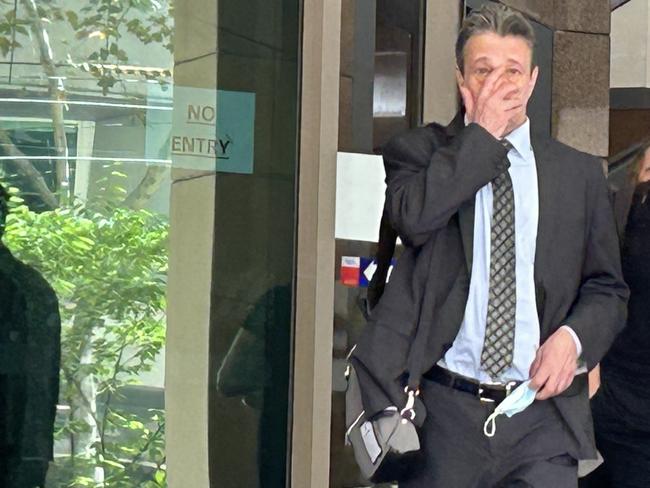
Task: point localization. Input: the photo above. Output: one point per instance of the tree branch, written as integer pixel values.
(149, 184)
(146, 445)
(57, 93)
(109, 396)
(85, 400)
(25, 168)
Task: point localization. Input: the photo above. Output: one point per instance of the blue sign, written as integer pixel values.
(235, 131)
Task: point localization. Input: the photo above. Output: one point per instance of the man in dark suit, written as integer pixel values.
(511, 268)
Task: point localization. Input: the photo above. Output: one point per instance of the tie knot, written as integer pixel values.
(506, 143)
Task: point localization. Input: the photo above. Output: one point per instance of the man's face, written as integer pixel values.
(487, 52)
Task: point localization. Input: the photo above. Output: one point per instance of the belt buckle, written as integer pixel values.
(508, 388)
(481, 398)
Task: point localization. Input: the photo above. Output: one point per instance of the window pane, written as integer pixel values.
(85, 94)
(107, 106)
(254, 249)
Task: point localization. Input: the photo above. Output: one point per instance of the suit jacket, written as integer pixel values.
(433, 175)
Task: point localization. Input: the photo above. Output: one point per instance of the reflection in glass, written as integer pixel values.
(89, 181)
(250, 329)
(255, 369)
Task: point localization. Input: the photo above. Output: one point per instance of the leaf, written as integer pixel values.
(5, 46)
(113, 464)
(160, 477)
(87, 240)
(115, 8)
(73, 18)
(136, 425)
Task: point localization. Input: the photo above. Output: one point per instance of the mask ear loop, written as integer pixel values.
(490, 425)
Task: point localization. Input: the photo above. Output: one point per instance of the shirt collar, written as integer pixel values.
(520, 139)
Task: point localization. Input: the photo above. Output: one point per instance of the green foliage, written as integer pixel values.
(120, 26)
(106, 263)
(110, 20)
(108, 266)
(10, 26)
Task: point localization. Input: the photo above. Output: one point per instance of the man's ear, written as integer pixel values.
(459, 77)
(465, 94)
(533, 78)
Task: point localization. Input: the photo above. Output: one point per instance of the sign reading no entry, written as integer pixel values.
(213, 130)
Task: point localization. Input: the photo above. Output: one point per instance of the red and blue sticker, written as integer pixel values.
(357, 271)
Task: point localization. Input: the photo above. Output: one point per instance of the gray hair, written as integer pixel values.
(496, 18)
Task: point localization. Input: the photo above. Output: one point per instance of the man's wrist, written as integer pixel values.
(575, 338)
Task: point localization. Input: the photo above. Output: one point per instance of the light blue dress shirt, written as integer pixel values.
(464, 357)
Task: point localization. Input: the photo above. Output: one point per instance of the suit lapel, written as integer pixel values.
(546, 199)
(466, 223)
(466, 211)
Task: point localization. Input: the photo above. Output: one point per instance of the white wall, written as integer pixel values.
(630, 48)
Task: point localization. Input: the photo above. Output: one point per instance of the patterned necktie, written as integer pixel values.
(502, 298)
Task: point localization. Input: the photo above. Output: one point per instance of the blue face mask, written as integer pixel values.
(516, 402)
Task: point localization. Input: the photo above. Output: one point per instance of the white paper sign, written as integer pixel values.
(360, 194)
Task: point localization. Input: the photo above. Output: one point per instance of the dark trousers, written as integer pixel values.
(530, 449)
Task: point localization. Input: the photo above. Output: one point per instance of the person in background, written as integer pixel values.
(30, 354)
(621, 407)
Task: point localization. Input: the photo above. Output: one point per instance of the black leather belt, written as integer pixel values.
(488, 393)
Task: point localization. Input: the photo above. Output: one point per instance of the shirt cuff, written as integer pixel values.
(576, 339)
